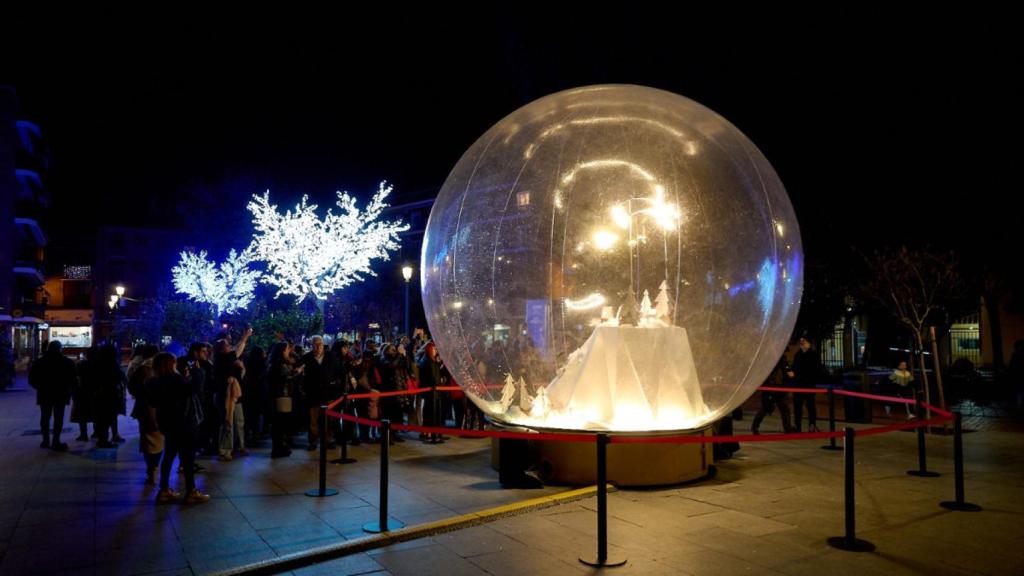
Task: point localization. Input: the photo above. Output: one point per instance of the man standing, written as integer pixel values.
(319, 374)
(805, 372)
(53, 376)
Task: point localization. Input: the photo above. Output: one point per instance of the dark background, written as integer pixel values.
(884, 128)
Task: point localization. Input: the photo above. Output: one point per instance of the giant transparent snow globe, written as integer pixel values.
(611, 258)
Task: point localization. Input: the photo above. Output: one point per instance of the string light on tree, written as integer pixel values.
(226, 287)
(310, 256)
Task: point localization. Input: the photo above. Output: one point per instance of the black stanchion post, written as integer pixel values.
(831, 420)
(383, 524)
(323, 490)
(344, 459)
(602, 509)
(922, 458)
(958, 468)
(850, 542)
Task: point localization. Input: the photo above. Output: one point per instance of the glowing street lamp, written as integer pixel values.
(407, 274)
(120, 290)
(666, 215)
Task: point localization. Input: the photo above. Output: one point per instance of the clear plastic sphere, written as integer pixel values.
(611, 258)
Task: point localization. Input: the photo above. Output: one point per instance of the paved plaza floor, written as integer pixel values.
(769, 510)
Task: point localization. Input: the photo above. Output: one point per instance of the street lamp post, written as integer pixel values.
(407, 274)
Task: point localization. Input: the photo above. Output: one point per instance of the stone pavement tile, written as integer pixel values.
(644, 509)
(407, 545)
(839, 563)
(433, 559)
(44, 559)
(57, 512)
(425, 517)
(755, 550)
(912, 545)
(162, 556)
(73, 533)
(525, 561)
(136, 535)
(539, 533)
(344, 566)
(349, 521)
(137, 509)
(743, 523)
(409, 501)
(477, 540)
(296, 538)
(226, 552)
(209, 521)
(245, 480)
(704, 561)
(263, 512)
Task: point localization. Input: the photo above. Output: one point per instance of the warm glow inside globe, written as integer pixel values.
(611, 258)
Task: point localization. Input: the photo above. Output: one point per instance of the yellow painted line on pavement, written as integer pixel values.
(325, 553)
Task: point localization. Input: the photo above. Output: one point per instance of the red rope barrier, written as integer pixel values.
(712, 439)
(945, 413)
(688, 439)
(793, 390)
(903, 426)
(466, 432)
(895, 399)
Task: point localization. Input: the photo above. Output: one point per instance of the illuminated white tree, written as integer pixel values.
(307, 256)
(508, 392)
(663, 308)
(226, 287)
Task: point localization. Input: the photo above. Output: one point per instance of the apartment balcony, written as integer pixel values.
(32, 152)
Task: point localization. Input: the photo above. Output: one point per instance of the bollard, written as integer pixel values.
(958, 468)
(323, 490)
(849, 541)
(831, 420)
(344, 459)
(383, 524)
(922, 458)
(602, 509)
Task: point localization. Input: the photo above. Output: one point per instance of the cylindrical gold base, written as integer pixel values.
(575, 463)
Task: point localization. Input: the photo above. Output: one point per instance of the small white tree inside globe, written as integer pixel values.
(611, 258)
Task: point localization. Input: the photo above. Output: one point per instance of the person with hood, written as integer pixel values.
(53, 376)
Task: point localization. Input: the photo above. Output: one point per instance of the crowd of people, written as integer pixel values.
(220, 399)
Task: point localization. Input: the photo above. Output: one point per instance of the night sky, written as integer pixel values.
(883, 129)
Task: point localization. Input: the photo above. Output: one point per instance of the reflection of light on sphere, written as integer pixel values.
(611, 258)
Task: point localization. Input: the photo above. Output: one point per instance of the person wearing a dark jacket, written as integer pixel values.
(805, 372)
(281, 381)
(53, 376)
(772, 400)
(320, 372)
(175, 399)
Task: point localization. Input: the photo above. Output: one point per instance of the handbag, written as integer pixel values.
(283, 404)
(193, 413)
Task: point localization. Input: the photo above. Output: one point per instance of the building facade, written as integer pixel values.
(24, 200)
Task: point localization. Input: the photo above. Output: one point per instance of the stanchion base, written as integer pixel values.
(960, 506)
(831, 447)
(924, 473)
(315, 493)
(343, 461)
(374, 527)
(598, 564)
(855, 545)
